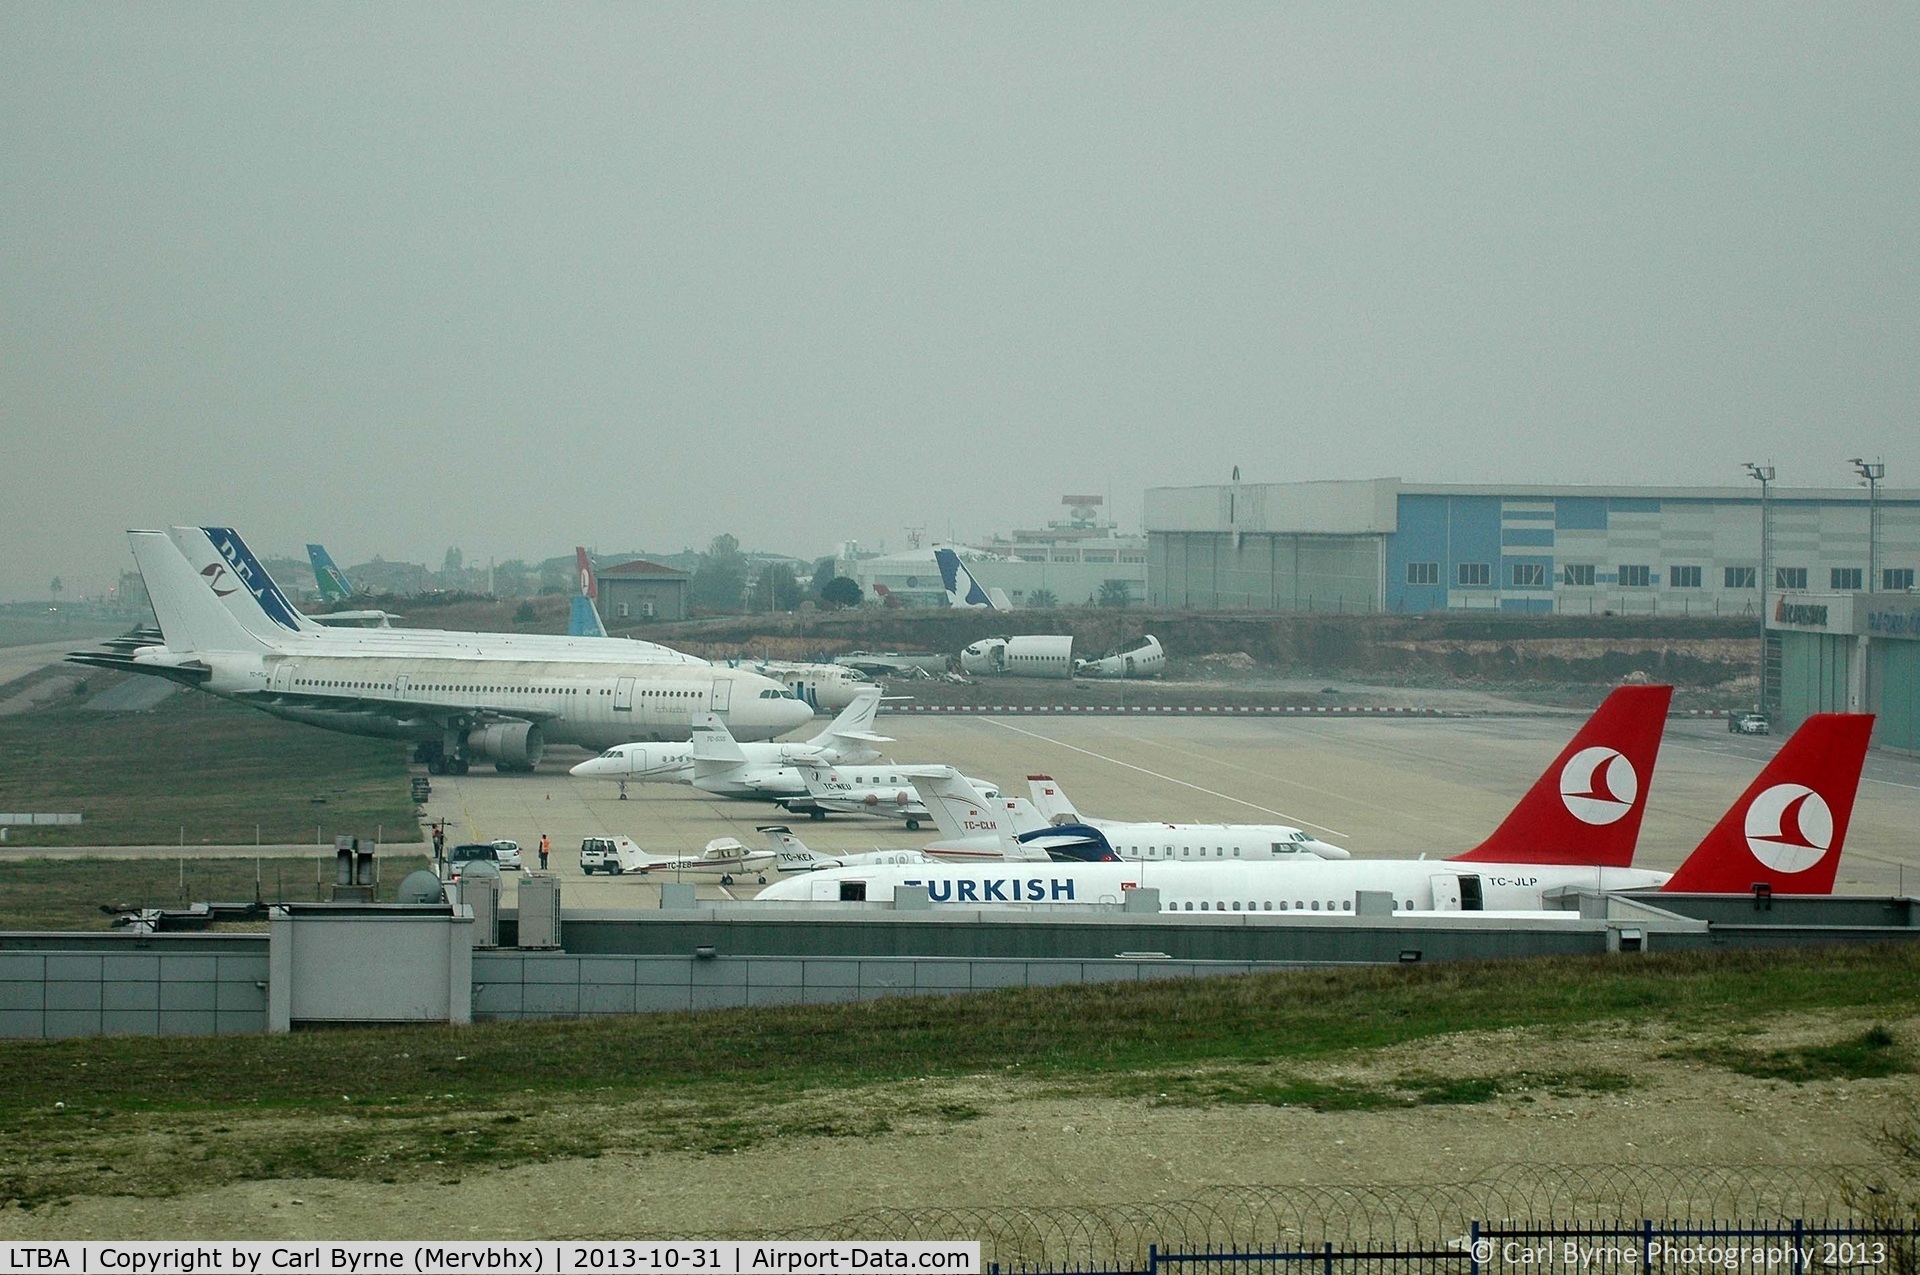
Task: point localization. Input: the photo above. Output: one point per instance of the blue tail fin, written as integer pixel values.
(962, 589)
(333, 582)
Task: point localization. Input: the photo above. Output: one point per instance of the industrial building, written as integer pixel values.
(1385, 545)
(1072, 558)
(1849, 653)
(634, 592)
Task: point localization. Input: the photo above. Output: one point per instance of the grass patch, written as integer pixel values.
(174, 1114)
(200, 768)
(70, 894)
(1869, 1055)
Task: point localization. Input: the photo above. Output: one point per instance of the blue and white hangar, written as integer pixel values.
(1385, 545)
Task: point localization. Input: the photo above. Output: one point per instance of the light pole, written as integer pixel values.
(1872, 472)
(1764, 475)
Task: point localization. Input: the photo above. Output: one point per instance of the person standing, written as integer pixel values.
(544, 847)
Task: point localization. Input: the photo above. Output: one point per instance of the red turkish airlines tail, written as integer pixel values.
(589, 587)
(1586, 809)
(1786, 830)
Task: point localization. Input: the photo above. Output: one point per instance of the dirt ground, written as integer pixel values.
(1031, 1142)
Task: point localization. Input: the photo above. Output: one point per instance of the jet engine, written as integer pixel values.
(508, 745)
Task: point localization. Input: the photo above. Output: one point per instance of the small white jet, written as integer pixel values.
(715, 762)
(721, 859)
(885, 791)
(1187, 842)
(790, 854)
(962, 589)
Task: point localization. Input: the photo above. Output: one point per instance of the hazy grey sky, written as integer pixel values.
(515, 277)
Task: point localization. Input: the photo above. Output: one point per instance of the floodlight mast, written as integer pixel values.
(1872, 472)
(1764, 475)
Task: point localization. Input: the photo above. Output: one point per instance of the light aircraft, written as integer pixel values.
(721, 858)
(1194, 841)
(457, 705)
(1040, 655)
(754, 770)
(1784, 834)
(962, 589)
(1142, 657)
(237, 578)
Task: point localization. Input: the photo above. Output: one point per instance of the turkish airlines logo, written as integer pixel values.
(1598, 785)
(214, 575)
(1789, 827)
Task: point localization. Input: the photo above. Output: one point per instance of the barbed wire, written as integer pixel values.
(1115, 1236)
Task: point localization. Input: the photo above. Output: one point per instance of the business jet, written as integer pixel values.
(1784, 835)
(244, 586)
(962, 589)
(456, 706)
(751, 770)
(1133, 840)
(790, 854)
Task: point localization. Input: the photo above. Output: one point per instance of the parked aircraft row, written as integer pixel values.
(1575, 829)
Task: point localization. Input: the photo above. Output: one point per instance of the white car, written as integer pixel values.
(507, 855)
(1749, 724)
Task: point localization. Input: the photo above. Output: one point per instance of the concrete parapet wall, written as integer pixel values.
(551, 985)
(46, 994)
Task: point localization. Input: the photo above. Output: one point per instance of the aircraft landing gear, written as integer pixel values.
(726, 878)
(913, 825)
(623, 790)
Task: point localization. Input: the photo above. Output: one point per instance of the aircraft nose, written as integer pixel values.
(586, 769)
(793, 714)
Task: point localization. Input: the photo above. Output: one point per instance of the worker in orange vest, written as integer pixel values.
(543, 852)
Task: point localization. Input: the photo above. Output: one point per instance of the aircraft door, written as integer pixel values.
(722, 695)
(853, 892)
(623, 695)
(283, 676)
(1470, 899)
(1446, 892)
(400, 685)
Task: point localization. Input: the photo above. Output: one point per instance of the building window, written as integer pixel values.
(1529, 575)
(1740, 578)
(1683, 577)
(1846, 579)
(1789, 577)
(1634, 576)
(621, 610)
(1894, 579)
(1472, 573)
(1423, 573)
(1580, 576)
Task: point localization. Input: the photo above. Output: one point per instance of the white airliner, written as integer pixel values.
(1193, 841)
(962, 589)
(237, 578)
(742, 770)
(1784, 834)
(457, 706)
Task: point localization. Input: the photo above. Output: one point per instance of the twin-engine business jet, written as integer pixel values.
(720, 764)
(1785, 833)
(458, 702)
(1184, 840)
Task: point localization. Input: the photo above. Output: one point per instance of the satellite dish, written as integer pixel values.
(421, 887)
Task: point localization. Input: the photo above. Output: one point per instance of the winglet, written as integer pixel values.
(1586, 809)
(1786, 831)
